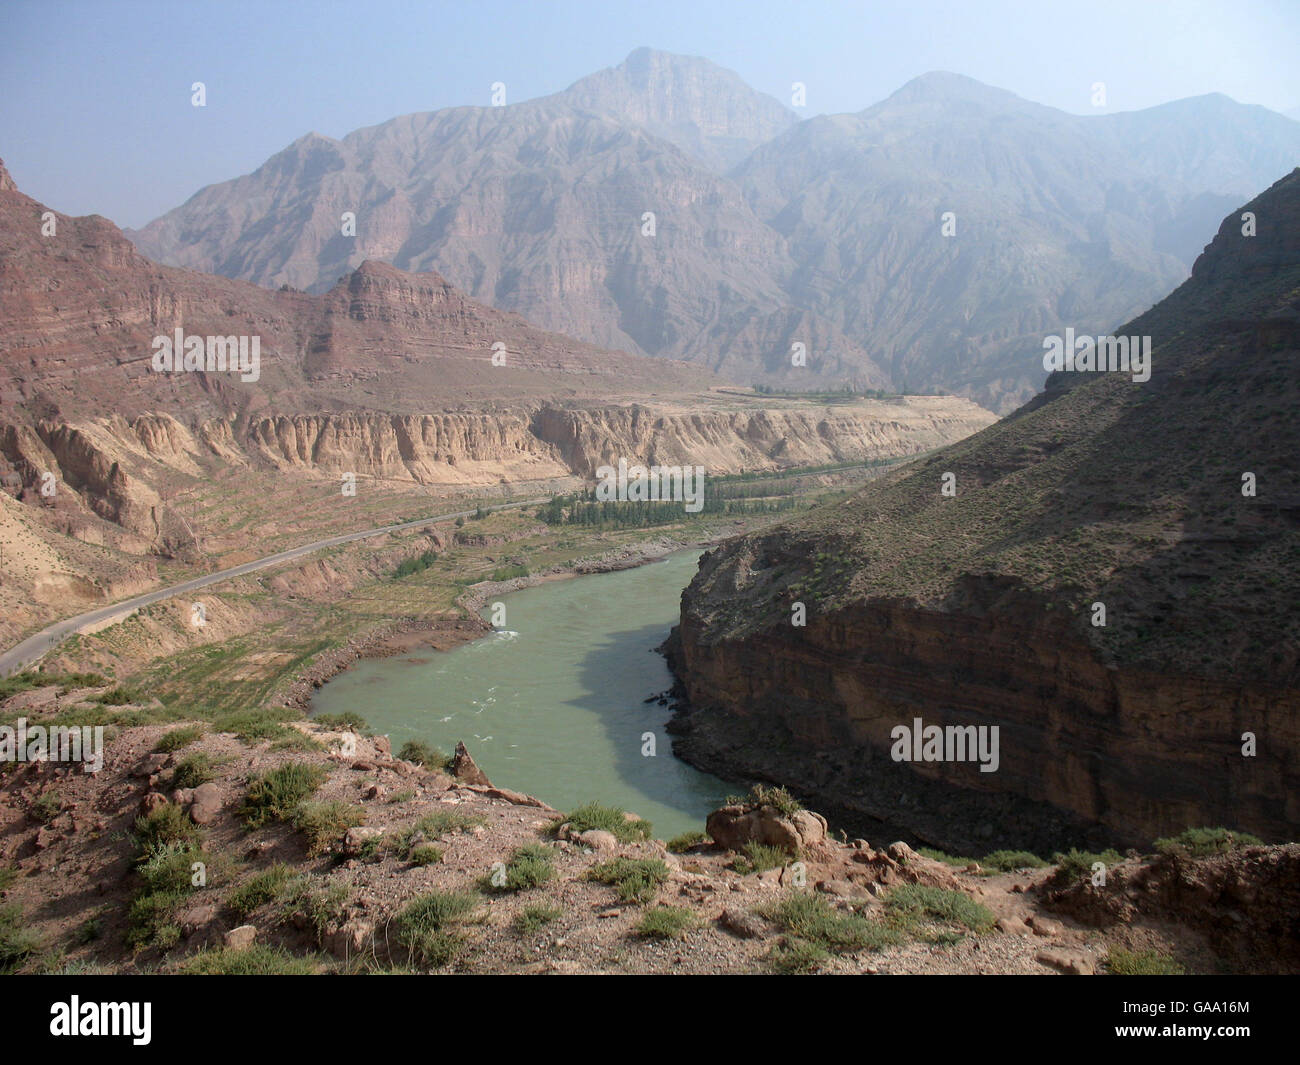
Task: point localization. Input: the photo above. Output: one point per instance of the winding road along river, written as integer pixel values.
(552, 703)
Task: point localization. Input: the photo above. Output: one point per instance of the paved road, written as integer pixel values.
(32, 649)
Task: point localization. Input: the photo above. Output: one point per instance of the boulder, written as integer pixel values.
(206, 804)
(734, 826)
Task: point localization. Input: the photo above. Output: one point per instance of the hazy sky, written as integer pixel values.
(95, 112)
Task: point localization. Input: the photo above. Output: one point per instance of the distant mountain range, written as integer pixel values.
(768, 231)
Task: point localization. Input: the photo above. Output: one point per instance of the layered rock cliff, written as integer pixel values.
(1109, 576)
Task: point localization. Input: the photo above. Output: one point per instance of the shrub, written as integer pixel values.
(193, 770)
(274, 795)
(46, 807)
(323, 823)
(533, 918)
(257, 960)
(1120, 962)
(1009, 861)
(177, 738)
(1202, 842)
(1077, 864)
(681, 844)
(915, 903)
(528, 866)
(306, 902)
(17, 941)
(667, 922)
(266, 886)
(162, 827)
(429, 926)
(607, 819)
(425, 854)
(636, 879)
(424, 754)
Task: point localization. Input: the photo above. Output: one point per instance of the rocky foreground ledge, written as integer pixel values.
(317, 850)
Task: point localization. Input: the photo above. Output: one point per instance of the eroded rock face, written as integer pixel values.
(465, 770)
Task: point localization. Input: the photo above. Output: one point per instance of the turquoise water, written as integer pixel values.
(552, 703)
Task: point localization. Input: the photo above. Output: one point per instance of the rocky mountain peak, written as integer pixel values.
(706, 110)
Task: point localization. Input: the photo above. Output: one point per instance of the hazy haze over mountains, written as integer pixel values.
(768, 230)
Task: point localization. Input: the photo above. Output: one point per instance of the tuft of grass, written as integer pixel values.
(429, 927)
(607, 819)
(323, 823)
(759, 857)
(308, 903)
(164, 826)
(178, 738)
(1077, 865)
(792, 956)
(533, 918)
(17, 941)
(46, 807)
(810, 918)
(954, 860)
(267, 886)
(1203, 842)
(275, 795)
(406, 795)
(636, 879)
(425, 854)
(443, 822)
(257, 960)
(424, 754)
(913, 904)
(1120, 962)
(118, 696)
(1009, 861)
(528, 866)
(681, 844)
(194, 769)
(667, 922)
(291, 739)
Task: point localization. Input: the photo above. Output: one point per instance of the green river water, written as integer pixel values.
(552, 703)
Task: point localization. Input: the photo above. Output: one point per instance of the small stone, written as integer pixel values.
(1066, 962)
(742, 924)
(1012, 926)
(1046, 927)
(242, 937)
